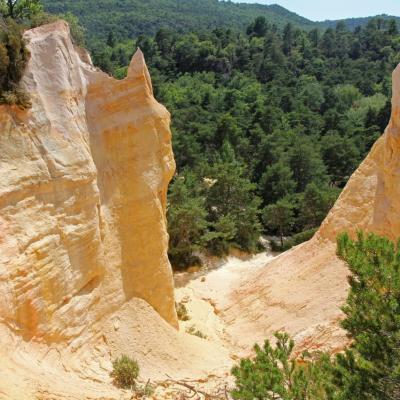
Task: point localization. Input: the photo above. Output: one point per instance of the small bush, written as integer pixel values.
(125, 372)
(17, 97)
(295, 240)
(42, 18)
(195, 332)
(9, 98)
(182, 312)
(146, 390)
(13, 59)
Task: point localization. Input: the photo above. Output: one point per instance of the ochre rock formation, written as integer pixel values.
(84, 176)
(303, 290)
(84, 272)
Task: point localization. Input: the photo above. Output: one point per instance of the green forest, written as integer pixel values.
(130, 18)
(268, 124)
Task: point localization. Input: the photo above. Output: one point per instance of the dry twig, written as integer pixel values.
(198, 394)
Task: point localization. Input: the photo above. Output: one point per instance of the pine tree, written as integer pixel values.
(280, 216)
(186, 222)
(20, 9)
(370, 368)
(274, 374)
(393, 28)
(288, 37)
(111, 39)
(232, 196)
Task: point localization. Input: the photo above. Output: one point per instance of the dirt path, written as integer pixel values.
(208, 294)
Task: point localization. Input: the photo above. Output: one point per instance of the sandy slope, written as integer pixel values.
(209, 297)
(244, 302)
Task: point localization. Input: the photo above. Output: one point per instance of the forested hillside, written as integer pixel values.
(130, 18)
(268, 122)
(268, 126)
(353, 23)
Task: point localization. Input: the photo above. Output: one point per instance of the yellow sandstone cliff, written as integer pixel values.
(84, 272)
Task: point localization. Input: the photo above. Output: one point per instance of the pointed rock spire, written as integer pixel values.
(138, 68)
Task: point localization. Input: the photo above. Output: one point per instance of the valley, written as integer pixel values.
(135, 202)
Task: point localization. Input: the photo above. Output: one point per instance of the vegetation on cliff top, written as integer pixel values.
(15, 15)
(13, 59)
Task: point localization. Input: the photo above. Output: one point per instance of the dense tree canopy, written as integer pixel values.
(299, 109)
(130, 18)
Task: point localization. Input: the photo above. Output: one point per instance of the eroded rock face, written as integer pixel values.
(303, 290)
(84, 272)
(83, 182)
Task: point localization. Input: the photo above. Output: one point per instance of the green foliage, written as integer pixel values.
(125, 372)
(192, 330)
(145, 391)
(277, 182)
(370, 368)
(280, 216)
(182, 312)
(306, 164)
(275, 374)
(341, 157)
(131, 18)
(13, 59)
(232, 205)
(299, 110)
(20, 10)
(186, 222)
(315, 203)
(294, 240)
(77, 31)
(212, 209)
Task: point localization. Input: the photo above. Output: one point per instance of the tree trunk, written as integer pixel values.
(11, 5)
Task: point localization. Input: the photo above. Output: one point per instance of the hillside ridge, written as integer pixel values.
(131, 18)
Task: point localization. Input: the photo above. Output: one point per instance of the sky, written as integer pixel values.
(319, 10)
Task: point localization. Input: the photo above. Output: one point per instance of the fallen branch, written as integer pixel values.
(193, 391)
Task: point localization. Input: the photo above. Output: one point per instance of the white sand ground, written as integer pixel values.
(207, 296)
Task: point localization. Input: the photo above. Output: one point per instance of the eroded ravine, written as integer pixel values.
(210, 294)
